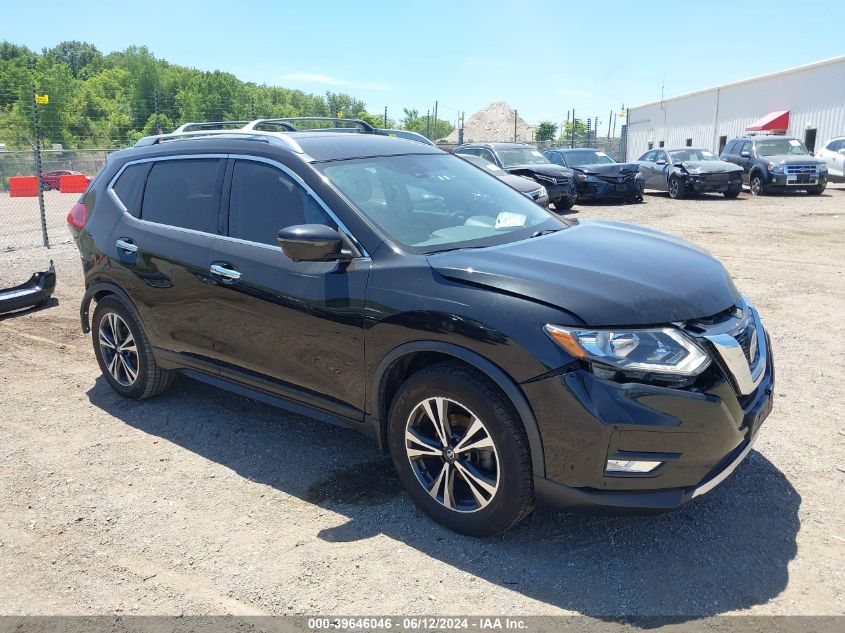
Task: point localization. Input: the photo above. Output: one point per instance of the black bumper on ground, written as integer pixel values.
(34, 292)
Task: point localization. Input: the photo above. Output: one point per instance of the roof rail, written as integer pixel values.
(248, 135)
(253, 130)
(290, 121)
(208, 125)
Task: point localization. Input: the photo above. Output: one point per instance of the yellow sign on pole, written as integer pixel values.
(42, 99)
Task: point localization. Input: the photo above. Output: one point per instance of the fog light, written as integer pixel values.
(630, 466)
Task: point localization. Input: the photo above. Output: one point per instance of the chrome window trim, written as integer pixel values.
(297, 179)
(153, 159)
(260, 159)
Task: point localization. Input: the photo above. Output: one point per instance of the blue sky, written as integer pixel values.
(542, 57)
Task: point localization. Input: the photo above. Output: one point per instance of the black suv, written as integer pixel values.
(499, 352)
(524, 160)
(776, 163)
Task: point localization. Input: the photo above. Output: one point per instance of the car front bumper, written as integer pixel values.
(704, 185)
(597, 189)
(782, 181)
(699, 435)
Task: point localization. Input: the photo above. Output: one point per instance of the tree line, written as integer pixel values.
(111, 100)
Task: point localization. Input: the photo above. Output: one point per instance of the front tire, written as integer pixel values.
(676, 188)
(816, 191)
(123, 352)
(756, 185)
(732, 193)
(460, 450)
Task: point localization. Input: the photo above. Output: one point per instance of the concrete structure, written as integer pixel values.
(814, 96)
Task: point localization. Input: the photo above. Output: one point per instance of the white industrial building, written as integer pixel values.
(807, 102)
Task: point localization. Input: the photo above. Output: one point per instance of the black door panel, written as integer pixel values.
(298, 323)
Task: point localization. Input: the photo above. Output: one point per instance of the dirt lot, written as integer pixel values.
(204, 502)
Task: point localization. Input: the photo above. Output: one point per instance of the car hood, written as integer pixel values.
(709, 166)
(792, 159)
(525, 185)
(605, 273)
(551, 170)
(608, 169)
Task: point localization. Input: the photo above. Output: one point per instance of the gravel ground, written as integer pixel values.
(203, 502)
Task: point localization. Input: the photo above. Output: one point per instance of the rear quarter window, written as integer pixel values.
(182, 193)
(129, 187)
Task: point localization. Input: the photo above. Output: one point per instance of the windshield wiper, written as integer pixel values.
(545, 232)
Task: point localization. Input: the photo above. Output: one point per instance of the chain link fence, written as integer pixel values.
(21, 224)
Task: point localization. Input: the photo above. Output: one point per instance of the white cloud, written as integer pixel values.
(319, 78)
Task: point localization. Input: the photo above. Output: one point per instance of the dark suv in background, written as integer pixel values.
(524, 160)
(776, 163)
(499, 352)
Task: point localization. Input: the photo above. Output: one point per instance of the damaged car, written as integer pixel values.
(34, 292)
(598, 176)
(689, 170)
(537, 193)
(524, 160)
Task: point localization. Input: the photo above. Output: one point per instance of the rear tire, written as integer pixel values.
(564, 204)
(490, 488)
(124, 353)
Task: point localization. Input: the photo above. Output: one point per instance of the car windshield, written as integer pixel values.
(680, 155)
(436, 202)
(484, 164)
(591, 157)
(778, 146)
(510, 156)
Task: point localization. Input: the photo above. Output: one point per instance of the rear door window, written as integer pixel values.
(129, 187)
(746, 147)
(182, 193)
(265, 200)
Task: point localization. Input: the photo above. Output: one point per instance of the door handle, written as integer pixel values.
(126, 245)
(225, 272)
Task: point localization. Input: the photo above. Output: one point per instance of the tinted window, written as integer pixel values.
(265, 200)
(181, 193)
(731, 147)
(648, 156)
(129, 187)
(487, 155)
(746, 147)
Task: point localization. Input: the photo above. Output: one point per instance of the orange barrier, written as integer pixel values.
(23, 187)
(73, 184)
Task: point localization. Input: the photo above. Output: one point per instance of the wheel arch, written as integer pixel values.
(97, 291)
(411, 357)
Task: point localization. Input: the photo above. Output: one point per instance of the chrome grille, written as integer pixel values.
(801, 169)
(744, 335)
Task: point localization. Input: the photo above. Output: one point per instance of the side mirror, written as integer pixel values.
(745, 154)
(660, 162)
(312, 243)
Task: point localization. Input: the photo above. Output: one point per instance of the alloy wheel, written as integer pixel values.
(756, 186)
(673, 188)
(452, 454)
(118, 348)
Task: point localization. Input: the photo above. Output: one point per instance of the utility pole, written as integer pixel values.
(155, 106)
(609, 119)
(572, 130)
(385, 116)
(461, 130)
(428, 123)
(36, 148)
(515, 114)
(434, 122)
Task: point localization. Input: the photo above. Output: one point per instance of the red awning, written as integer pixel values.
(772, 122)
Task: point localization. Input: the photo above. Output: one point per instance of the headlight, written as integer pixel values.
(544, 193)
(776, 168)
(662, 350)
(581, 177)
(822, 169)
